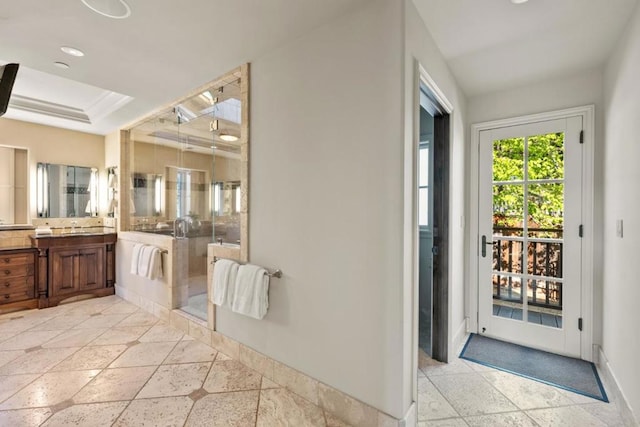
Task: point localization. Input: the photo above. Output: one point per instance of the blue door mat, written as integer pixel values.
(578, 376)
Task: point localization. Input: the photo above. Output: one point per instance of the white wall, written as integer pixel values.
(325, 205)
(559, 93)
(621, 292)
(421, 47)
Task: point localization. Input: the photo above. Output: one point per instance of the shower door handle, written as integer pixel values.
(484, 245)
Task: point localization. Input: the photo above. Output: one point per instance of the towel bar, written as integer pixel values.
(277, 273)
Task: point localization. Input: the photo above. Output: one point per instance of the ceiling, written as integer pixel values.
(166, 48)
(492, 45)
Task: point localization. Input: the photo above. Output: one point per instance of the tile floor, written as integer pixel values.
(464, 393)
(105, 362)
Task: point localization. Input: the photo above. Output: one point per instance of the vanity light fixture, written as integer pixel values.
(116, 9)
(92, 204)
(72, 51)
(158, 194)
(42, 184)
(227, 137)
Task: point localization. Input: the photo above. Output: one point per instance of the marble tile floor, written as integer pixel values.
(105, 362)
(463, 393)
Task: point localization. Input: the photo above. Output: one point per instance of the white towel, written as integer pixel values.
(223, 282)
(144, 262)
(251, 296)
(155, 264)
(135, 257)
(44, 231)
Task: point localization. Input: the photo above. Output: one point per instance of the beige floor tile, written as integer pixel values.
(237, 409)
(451, 422)
(144, 354)
(115, 384)
(470, 394)
(28, 339)
(333, 421)
(24, 417)
(191, 352)
(139, 318)
(608, 413)
(101, 321)
(161, 333)
(74, 338)
(62, 322)
(5, 335)
(91, 415)
(122, 307)
(50, 389)
(267, 383)
(97, 357)
(526, 393)
(8, 356)
(120, 335)
(37, 361)
(568, 416)
(281, 407)
(9, 385)
(165, 411)
(175, 380)
(231, 375)
(511, 419)
(431, 404)
(456, 366)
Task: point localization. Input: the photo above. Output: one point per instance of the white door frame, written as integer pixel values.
(586, 304)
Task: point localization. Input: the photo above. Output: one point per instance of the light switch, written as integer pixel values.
(619, 226)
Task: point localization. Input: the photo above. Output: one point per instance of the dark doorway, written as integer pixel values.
(433, 222)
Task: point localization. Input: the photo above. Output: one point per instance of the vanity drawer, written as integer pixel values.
(15, 259)
(16, 284)
(7, 272)
(20, 295)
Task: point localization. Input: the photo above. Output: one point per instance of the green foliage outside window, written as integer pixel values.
(546, 200)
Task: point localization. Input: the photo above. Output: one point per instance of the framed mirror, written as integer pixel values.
(65, 191)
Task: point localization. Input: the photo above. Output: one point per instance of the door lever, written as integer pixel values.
(484, 245)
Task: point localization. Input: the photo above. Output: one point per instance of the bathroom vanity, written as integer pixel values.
(75, 264)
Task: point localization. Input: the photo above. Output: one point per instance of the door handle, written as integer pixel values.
(484, 245)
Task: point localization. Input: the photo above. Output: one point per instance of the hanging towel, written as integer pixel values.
(251, 296)
(144, 262)
(135, 257)
(223, 282)
(155, 264)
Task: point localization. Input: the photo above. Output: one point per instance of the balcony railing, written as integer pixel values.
(542, 263)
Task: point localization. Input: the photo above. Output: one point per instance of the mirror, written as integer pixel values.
(147, 194)
(14, 168)
(66, 191)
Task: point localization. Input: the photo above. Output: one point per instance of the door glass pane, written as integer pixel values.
(424, 167)
(546, 207)
(507, 296)
(508, 159)
(423, 206)
(544, 258)
(508, 209)
(546, 156)
(544, 303)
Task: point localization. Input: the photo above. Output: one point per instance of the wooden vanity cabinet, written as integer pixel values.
(18, 272)
(76, 265)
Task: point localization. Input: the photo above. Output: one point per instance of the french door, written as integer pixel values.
(530, 198)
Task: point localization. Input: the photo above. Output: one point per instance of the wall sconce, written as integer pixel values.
(92, 204)
(112, 185)
(42, 190)
(237, 207)
(158, 195)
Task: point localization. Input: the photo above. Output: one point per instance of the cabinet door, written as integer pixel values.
(64, 272)
(91, 268)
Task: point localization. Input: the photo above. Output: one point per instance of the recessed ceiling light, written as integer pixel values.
(227, 137)
(72, 51)
(116, 9)
(61, 65)
(519, 1)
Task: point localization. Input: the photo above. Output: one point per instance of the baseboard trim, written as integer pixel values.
(615, 392)
(410, 419)
(459, 339)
